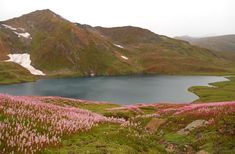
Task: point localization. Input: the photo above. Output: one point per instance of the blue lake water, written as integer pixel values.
(121, 89)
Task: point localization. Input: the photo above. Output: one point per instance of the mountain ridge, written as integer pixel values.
(63, 40)
(221, 43)
(60, 47)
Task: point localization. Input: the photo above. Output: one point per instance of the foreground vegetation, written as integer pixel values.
(59, 125)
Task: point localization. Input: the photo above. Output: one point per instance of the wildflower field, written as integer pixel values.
(61, 125)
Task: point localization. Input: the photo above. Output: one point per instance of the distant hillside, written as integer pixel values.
(161, 54)
(60, 47)
(218, 43)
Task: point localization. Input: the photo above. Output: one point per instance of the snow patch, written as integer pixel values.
(25, 61)
(25, 35)
(9, 27)
(119, 46)
(22, 29)
(124, 57)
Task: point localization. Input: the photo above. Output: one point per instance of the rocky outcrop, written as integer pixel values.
(193, 125)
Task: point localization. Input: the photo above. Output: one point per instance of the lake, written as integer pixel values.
(121, 89)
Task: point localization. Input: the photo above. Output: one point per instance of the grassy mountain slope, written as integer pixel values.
(162, 54)
(60, 47)
(225, 43)
(14, 73)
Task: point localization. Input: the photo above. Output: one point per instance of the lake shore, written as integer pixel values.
(5, 80)
(216, 92)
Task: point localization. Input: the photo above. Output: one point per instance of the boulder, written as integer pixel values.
(190, 127)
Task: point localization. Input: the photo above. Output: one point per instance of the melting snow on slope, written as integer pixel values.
(25, 34)
(118, 46)
(124, 57)
(9, 27)
(24, 60)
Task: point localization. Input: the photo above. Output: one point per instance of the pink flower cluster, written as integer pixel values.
(31, 125)
(204, 108)
(212, 109)
(23, 138)
(137, 107)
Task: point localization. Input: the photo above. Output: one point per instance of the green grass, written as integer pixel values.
(2, 117)
(211, 139)
(109, 138)
(176, 138)
(98, 108)
(120, 114)
(223, 91)
(101, 108)
(13, 73)
(148, 110)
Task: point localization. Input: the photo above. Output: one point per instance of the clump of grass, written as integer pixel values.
(108, 138)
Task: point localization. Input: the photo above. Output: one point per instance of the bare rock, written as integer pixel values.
(190, 127)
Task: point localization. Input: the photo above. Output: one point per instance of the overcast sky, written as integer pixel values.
(166, 17)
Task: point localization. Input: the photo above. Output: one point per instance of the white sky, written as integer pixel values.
(166, 17)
